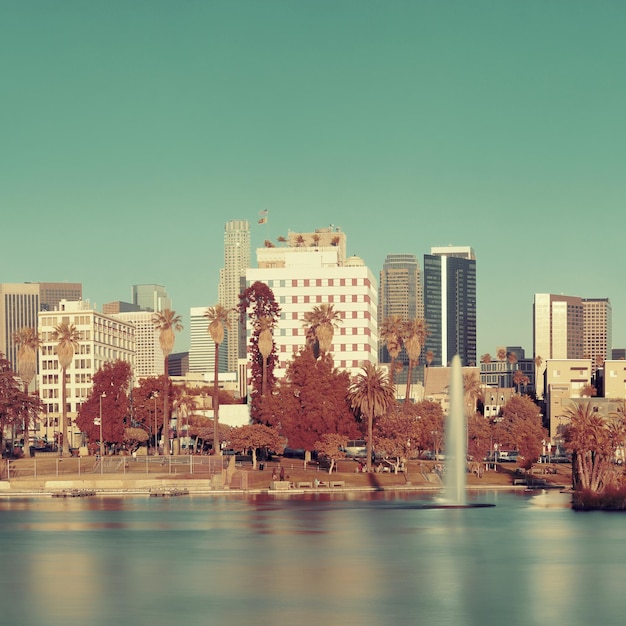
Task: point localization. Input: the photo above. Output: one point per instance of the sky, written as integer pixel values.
(133, 130)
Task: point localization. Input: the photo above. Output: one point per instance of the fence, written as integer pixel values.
(62, 466)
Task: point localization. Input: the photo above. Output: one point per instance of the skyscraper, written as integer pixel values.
(232, 278)
(557, 330)
(597, 330)
(450, 304)
(150, 297)
(399, 293)
(202, 348)
(20, 304)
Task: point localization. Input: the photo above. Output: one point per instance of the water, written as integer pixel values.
(318, 559)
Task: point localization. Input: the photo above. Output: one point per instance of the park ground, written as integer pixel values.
(51, 474)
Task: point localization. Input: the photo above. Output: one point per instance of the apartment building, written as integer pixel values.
(103, 339)
(311, 270)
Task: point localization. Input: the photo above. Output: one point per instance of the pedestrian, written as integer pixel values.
(282, 473)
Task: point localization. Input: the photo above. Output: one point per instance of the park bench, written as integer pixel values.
(337, 483)
(303, 484)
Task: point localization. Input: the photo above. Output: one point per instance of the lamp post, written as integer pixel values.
(102, 395)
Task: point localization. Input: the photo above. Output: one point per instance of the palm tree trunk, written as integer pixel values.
(408, 383)
(166, 409)
(65, 446)
(370, 443)
(216, 403)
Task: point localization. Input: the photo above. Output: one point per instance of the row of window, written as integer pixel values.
(318, 282)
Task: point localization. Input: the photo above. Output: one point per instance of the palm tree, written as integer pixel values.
(414, 335)
(472, 391)
(519, 379)
(391, 333)
(67, 337)
(501, 356)
(185, 405)
(166, 322)
(587, 437)
(28, 342)
(265, 324)
(430, 357)
(218, 321)
(320, 325)
(372, 394)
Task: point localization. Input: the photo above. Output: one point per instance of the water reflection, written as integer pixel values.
(317, 559)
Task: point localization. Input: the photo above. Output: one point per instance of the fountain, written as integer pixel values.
(456, 440)
(454, 479)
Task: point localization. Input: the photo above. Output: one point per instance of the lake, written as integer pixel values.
(323, 559)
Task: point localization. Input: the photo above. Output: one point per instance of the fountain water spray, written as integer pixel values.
(456, 439)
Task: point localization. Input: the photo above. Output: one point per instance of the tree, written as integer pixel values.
(430, 357)
(431, 425)
(185, 404)
(414, 335)
(134, 437)
(256, 302)
(588, 391)
(254, 436)
(331, 445)
(320, 325)
(218, 321)
(592, 445)
(310, 401)
(110, 391)
(472, 391)
(167, 323)
(391, 333)
(67, 337)
(16, 406)
(265, 326)
(398, 435)
(519, 379)
(146, 411)
(28, 342)
(371, 394)
(521, 429)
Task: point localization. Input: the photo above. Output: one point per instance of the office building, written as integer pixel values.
(20, 304)
(149, 360)
(570, 327)
(311, 270)
(236, 262)
(450, 304)
(399, 293)
(202, 346)
(597, 330)
(150, 297)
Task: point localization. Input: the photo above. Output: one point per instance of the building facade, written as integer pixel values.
(20, 304)
(202, 346)
(237, 254)
(450, 304)
(304, 276)
(597, 330)
(103, 339)
(149, 297)
(399, 293)
(149, 360)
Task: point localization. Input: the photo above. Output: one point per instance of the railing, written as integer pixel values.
(90, 465)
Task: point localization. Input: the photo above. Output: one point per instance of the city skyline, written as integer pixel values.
(409, 125)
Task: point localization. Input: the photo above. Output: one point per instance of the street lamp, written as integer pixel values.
(102, 395)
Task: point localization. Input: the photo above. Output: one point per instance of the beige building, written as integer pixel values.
(103, 339)
(564, 380)
(614, 379)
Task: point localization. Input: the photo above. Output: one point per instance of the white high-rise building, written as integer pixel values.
(236, 262)
(149, 359)
(312, 270)
(202, 347)
(103, 339)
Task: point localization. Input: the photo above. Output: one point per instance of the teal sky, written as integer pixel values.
(132, 130)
